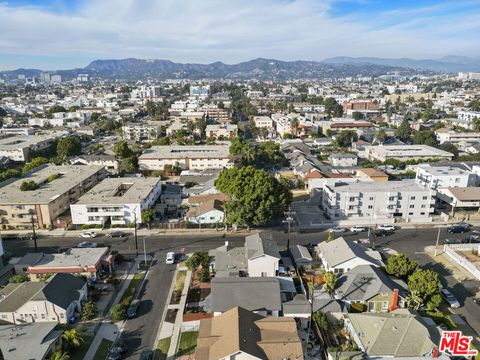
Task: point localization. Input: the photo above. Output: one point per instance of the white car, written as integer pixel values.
(358, 229)
(87, 244)
(170, 258)
(337, 230)
(450, 299)
(386, 227)
(88, 234)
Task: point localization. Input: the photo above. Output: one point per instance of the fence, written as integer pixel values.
(450, 250)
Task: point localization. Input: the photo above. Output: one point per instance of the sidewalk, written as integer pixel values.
(108, 330)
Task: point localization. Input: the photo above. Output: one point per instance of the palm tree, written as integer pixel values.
(414, 300)
(73, 337)
(294, 124)
(249, 155)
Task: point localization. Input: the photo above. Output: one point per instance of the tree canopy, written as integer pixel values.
(255, 197)
(69, 146)
(345, 138)
(425, 283)
(34, 163)
(400, 266)
(403, 131)
(425, 137)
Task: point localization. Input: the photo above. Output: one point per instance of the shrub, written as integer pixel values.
(85, 226)
(89, 311)
(204, 275)
(15, 279)
(53, 177)
(29, 185)
(117, 313)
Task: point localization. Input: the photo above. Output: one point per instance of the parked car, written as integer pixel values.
(117, 234)
(457, 228)
(358, 229)
(133, 308)
(383, 233)
(472, 239)
(337, 230)
(476, 301)
(146, 355)
(452, 241)
(120, 346)
(87, 244)
(170, 258)
(450, 299)
(114, 355)
(88, 234)
(386, 227)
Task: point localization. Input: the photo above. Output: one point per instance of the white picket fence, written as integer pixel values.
(450, 251)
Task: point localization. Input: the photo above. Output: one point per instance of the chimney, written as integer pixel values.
(435, 352)
(394, 301)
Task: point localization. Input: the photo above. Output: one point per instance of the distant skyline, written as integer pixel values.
(65, 34)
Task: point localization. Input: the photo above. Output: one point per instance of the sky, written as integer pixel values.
(65, 34)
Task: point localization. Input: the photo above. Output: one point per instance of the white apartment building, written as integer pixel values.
(188, 157)
(455, 138)
(226, 131)
(435, 177)
(116, 201)
(374, 202)
(343, 159)
(263, 122)
(146, 92)
(405, 152)
(200, 91)
(466, 117)
(148, 131)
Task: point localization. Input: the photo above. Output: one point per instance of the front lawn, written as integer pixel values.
(180, 280)
(188, 343)
(162, 349)
(102, 351)
(80, 352)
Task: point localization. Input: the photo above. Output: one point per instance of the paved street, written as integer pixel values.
(141, 331)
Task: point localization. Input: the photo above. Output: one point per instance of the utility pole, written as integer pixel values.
(436, 245)
(144, 251)
(289, 219)
(34, 235)
(135, 231)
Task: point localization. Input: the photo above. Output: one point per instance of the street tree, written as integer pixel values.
(69, 146)
(345, 138)
(147, 216)
(425, 283)
(330, 281)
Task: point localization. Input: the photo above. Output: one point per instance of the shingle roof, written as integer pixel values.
(254, 294)
(397, 334)
(366, 281)
(339, 251)
(258, 245)
(241, 330)
(300, 252)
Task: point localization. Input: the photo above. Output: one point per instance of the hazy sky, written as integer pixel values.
(62, 34)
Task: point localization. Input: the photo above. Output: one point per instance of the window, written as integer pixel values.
(370, 206)
(4, 316)
(391, 198)
(422, 213)
(351, 207)
(42, 316)
(370, 198)
(412, 197)
(423, 206)
(264, 274)
(384, 305)
(410, 213)
(62, 315)
(352, 199)
(425, 198)
(412, 206)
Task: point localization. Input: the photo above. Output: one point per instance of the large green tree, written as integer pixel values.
(254, 196)
(69, 146)
(122, 150)
(332, 107)
(403, 131)
(425, 137)
(424, 283)
(345, 138)
(400, 266)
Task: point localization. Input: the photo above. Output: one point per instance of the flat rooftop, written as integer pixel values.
(12, 143)
(444, 170)
(74, 257)
(186, 151)
(409, 151)
(375, 186)
(119, 191)
(70, 176)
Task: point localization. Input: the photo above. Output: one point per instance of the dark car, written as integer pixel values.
(383, 233)
(120, 346)
(133, 308)
(117, 234)
(472, 239)
(452, 241)
(114, 355)
(458, 228)
(146, 355)
(476, 301)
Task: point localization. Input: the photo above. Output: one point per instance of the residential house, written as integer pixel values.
(435, 177)
(398, 334)
(372, 174)
(223, 131)
(372, 288)
(109, 162)
(32, 341)
(242, 334)
(301, 256)
(209, 212)
(340, 255)
(56, 299)
(88, 262)
(460, 198)
(258, 294)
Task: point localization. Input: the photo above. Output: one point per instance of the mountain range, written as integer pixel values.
(262, 69)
